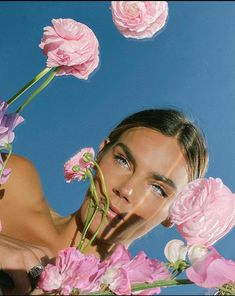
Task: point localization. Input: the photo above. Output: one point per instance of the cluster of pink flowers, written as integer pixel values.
(203, 212)
(74, 270)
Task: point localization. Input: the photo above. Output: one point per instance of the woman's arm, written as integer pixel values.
(16, 259)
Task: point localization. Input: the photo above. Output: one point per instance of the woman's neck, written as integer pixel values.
(71, 228)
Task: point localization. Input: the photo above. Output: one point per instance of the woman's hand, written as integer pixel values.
(16, 259)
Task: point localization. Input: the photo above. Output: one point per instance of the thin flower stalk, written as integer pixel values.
(88, 218)
(144, 286)
(37, 91)
(28, 85)
(106, 206)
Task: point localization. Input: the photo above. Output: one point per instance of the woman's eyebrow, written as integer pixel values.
(127, 152)
(159, 177)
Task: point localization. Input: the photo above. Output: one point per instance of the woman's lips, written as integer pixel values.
(113, 212)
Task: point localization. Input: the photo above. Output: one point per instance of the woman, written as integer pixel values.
(146, 160)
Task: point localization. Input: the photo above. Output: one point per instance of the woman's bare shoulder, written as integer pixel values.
(24, 182)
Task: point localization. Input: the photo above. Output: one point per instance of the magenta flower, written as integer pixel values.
(71, 46)
(77, 166)
(139, 19)
(72, 270)
(7, 124)
(204, 211)
(211, 270)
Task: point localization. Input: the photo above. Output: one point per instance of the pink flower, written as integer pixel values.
(7, 124)
(121, 272)
(204, 211)
(211, 270)
(77, 166)
(139, 19)
(73, 270)
(71, 46)
(113, 273)
(141, 269)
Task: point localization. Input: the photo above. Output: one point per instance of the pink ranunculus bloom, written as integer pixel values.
(5, 174)
(72, 270)
(121, 272)
(76, 166)
(113, 274)
(211, 270)
(71, 46)
(139, 19)
(204, 211)
(7, 124)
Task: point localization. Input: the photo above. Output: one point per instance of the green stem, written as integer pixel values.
(28, 85)
(9, 147)
(37, 91)
(88, 224)
(106, 206)
(140, 287)
(88, 217)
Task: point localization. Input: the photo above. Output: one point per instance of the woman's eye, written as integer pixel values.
(159, 190)
(121, 160)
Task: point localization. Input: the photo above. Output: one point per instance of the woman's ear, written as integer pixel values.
(103, 144)
(167, 223)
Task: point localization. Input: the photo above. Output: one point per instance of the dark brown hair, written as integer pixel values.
(170, 123)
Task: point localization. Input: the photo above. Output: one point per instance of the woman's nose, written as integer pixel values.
(124, 191)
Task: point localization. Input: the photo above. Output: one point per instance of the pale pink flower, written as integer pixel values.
(211, 270)
(120, 271)
(71, 46)
(139, 19)
(204, 211)
(72, 270)
(175, 250)
(77, 166)
(7, 124)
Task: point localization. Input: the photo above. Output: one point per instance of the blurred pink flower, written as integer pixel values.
(76, 166)
(7, 124)
(71, 46)
(139, 19)
(72, 270)
(211, 270)
(121, 272)
(204, 211)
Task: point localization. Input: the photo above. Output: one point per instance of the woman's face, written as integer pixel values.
(143, 171)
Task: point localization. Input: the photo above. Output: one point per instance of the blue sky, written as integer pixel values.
(189, 65)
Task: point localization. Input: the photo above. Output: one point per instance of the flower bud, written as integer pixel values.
(175, 250)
